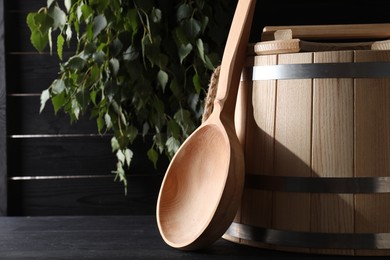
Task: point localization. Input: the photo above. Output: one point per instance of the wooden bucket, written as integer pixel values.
(315, 126)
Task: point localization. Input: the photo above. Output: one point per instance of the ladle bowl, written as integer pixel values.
(201, 191)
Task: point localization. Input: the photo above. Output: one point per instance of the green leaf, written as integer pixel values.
(205, 22)
(45, 95)
(79, 12)
(131, 133)
(111, 89)
(183, 118)
(83, 98)
(39, 41)
(120, 155)
(68, 33)
(172, 145)
(120, 172)
(197, 84)
(58, 102)
(89, 49)
(87, 12)
(174, 128)
(99, 23)
(60, 45)
(107, 120)
(156, 15)
(100, 124)
(58, 86)
(209, 64)
(99, 57)
(116, 47)
(162, 79)
(130, 54)
(129, 156)
(43, 22)
(200, 48)
(114, 66)
(39, 24)
(133, 19)
(180, 36)
(184, 50)
(138, 66)
(49, 3)
(158, 140)
(30, 20)
(114, 144)
(145, 129)
(76, 62)
(59, 17)
(184, 11)
(191, 28)
(93, 95)
(153, 156)
(151, 49)
(68, 4)
(76, 109)
(99, 5)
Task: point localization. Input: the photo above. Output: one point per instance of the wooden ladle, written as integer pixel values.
(202, 187)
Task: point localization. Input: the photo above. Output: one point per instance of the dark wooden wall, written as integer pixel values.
(55, 168)
(3, 160)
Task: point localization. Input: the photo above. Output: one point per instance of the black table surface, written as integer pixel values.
(114, 237)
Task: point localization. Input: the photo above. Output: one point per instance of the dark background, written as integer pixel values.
(49, 167)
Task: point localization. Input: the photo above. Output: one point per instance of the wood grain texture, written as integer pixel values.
(259, 151)
(331, 31)
(332, 148)
(30, 72)
(73, 155)
(323, 128)
(84, 196)
(3, 128)
(291, 211)
(372, 148)
(114, 238)
(25, 119)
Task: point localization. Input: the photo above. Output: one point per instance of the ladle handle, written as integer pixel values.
(234, 57)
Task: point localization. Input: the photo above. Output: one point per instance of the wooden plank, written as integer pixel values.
(108, 237)
(31, 73)
(25, 118)
(78, 155)
(257, 204)
(26, 5)
(331, 31)
(291, 211)
(318, 12)
(332, 149)
(3, 128)
(84, 196)
(372, 148)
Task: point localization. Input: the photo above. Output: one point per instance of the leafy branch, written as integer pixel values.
(139, 67)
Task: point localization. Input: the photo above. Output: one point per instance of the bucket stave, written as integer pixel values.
(317, 149)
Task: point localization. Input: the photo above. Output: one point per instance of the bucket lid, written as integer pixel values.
(298, 38)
